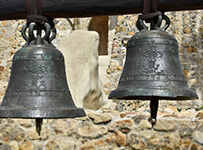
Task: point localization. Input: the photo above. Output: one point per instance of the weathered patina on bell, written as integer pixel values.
(38, 87)
(152, 69)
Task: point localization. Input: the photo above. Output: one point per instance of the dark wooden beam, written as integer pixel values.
(15, 9)
(100, 25)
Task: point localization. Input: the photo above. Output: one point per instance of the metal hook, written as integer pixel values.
(54, 32)
(157, 26)
(31, 31)
(23, 30)
(155, 23)
(38, 38)
(140, 25)
(46, 28)
(47, 32)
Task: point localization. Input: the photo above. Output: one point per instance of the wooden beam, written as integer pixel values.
(100, 25)
(15, 9)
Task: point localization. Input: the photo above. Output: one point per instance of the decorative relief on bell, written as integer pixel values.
(151, 56)
(152, 69)
(144, 77)
(38, 87)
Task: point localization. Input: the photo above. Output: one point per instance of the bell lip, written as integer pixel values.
(45, 113)
(162, 94)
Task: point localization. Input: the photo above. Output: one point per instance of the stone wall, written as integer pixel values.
(119, 125)
(107, 130)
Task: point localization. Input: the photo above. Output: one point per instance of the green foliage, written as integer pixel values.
(199, 108)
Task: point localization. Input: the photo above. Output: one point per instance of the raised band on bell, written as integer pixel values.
(38, 86)
(152, 68)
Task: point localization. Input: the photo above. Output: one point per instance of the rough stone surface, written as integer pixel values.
(92, 131)
(198, 136)
(66, 143)
(120, 138)
(14, 145)
(83, 79)
(32, 135)
(165, 125)
(100, 118)
(5, 147)
(26, 146)
(200, 115)
(144, 124)
(73, 134)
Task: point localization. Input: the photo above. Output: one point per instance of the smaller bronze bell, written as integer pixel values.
(38, 88)
(152, 69)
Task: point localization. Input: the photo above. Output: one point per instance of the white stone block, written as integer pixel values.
(80, 49)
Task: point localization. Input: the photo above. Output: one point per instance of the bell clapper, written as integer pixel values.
(38, 122)
(154, 104)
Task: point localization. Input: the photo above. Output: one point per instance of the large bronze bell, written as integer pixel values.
(152, 69)
(38, 87)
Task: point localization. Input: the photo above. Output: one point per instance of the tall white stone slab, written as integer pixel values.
(80, 49)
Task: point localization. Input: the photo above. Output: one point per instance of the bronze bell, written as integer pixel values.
(152, 69)
(38, 87)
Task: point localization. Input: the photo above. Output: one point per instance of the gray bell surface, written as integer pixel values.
(38, 87)
(152, 68)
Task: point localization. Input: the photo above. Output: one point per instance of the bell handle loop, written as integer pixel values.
(154, 25)
(47, 32)
(159, 22)
(23, 30)
(53, 34)
(140, 25)
(167, 22)
(46, 27)
(31, 31)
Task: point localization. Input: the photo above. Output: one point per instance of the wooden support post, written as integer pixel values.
(100, 25)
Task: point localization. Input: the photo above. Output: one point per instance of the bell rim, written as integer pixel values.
(146, 94)
(44, 113)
